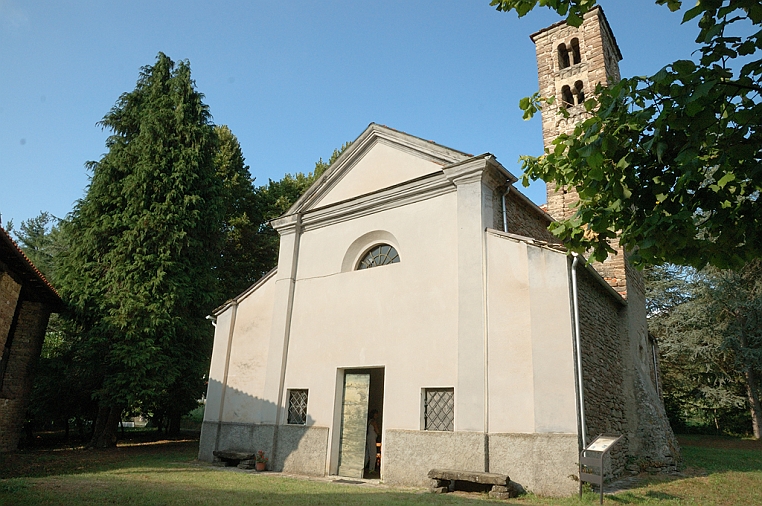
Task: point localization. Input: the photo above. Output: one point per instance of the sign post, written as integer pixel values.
(592, 457)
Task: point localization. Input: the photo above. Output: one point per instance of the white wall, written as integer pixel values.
(531, 360)
(248, 358)
(401, 316)
(381, 166)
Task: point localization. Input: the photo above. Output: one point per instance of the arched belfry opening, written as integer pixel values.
(566, 96)
(576, 57)
(563, 56)
(579, 93)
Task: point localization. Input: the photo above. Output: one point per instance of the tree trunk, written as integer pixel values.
(106, 426)
(173, 426)
(752, 389)
(754, 402)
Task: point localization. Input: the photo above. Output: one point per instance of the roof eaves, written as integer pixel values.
(18, 260)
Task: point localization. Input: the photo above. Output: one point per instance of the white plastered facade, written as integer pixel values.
(468, 307)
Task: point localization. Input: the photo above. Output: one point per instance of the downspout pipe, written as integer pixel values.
(578, 347)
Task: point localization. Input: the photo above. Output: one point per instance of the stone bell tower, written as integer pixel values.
(570, 63)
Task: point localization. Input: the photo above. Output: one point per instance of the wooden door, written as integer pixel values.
(354, 424)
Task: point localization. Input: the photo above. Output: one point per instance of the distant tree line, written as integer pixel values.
(170, 227)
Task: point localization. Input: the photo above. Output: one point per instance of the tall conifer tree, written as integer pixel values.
(143, 244)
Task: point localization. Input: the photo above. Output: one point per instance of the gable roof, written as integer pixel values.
(428, 152)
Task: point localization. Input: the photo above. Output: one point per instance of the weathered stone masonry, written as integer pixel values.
(26, 301)
(602, 326)
(619, 371)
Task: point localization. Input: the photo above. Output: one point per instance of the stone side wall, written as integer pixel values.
(9, 295)
(523, 220)
(652, 443)
(27, 338)
(603, 326)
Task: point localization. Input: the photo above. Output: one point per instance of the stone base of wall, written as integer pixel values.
(541, 463)
(234, 436)
(300, 450)
(409, 454)
(544, 464)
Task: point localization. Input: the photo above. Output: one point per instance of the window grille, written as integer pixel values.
(297, 407)
(382, 254)
(439, 409)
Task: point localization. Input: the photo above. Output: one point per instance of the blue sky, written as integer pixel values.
(293, 80)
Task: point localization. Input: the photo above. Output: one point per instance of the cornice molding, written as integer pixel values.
(287, 224)
(483, 168)
(417, 190)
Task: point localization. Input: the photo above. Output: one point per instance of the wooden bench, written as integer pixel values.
(443, 480)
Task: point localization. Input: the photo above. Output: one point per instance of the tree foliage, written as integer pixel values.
(670, 163)
(171, 225)
(240, 261)
(143, 242)
(709, 327)
(275, 199)
(39, 238)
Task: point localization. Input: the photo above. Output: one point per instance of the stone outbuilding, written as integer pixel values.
(415, 281)
(26, 302)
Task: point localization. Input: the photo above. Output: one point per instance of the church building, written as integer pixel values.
(416, 281)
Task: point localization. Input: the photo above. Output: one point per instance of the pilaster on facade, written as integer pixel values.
(475, 180)
(289, 229)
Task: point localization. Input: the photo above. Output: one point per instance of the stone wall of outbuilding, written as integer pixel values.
(28, 334)
(26, 301)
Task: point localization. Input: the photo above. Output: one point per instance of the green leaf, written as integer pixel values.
(692, 13)
(728, 177)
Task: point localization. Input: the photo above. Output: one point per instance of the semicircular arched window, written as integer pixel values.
(381, 254)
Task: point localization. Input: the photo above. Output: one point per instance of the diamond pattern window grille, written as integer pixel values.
(439, 409)
(382, 254)
(297, 407)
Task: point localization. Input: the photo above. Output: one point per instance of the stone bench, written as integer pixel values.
(443, 480)
(230, 458)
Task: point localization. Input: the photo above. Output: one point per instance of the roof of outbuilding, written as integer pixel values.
(36, 287)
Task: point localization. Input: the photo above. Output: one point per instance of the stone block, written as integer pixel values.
(472, 476)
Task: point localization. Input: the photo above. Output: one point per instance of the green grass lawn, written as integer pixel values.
(718, 471)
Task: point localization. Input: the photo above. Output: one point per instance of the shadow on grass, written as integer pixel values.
(58, 462)
(717, 460)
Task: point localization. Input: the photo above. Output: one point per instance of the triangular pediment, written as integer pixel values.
(379, 158)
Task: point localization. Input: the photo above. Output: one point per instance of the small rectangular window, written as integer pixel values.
(439, 409)
(297, 407)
